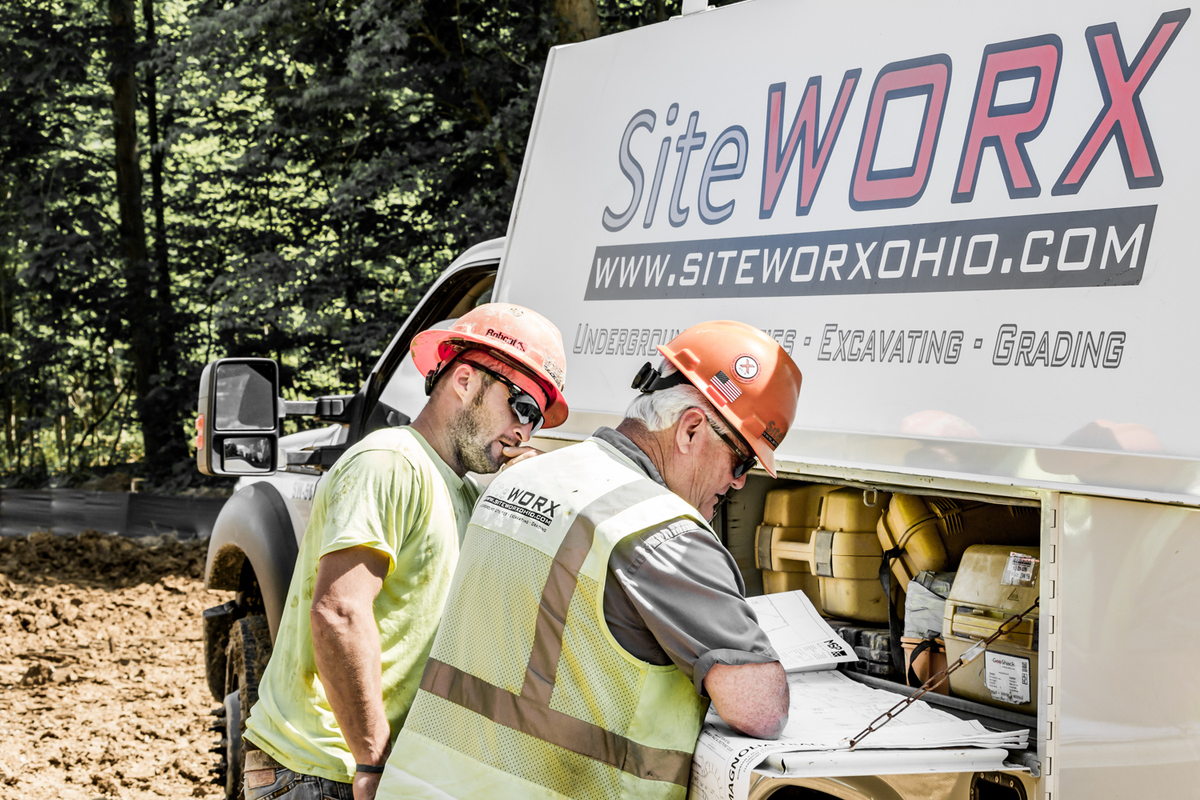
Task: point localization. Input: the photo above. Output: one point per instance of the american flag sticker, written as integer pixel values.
(722, 384)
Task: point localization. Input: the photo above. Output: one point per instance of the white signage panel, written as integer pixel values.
(966, 221)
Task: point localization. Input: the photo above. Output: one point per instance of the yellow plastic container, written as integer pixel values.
(934, 532)
(790, 517)
(994, 582)
(841, 554)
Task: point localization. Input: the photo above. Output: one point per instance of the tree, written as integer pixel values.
(147, 326)
(366, 144)
(312, 166)
(59, 301)
(579, 20)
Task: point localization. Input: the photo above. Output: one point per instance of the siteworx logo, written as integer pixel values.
(1012, 102)
(994, 122)
(530, 505)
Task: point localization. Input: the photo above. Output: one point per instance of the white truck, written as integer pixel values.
(969, 225)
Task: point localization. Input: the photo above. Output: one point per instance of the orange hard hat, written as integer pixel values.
(525, 346)
(751, 381)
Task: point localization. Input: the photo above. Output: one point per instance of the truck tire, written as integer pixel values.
(217, 622)
(246, 660)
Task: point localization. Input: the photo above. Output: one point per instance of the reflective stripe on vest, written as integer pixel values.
(537, 719)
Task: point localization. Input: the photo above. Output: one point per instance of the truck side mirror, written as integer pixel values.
(238, 427)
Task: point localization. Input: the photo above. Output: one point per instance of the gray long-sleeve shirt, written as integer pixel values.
(675, 594)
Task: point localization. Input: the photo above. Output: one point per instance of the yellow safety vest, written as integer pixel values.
(526, 693)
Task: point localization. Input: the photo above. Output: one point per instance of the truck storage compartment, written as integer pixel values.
(830, 540)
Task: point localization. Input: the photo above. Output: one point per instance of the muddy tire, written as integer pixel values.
(214, 666)
(246, 659)
(217, 622)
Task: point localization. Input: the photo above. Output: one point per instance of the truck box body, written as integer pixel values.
(972, 226)
(900, 346)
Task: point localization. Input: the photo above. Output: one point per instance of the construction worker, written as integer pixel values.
(377, 557)
(594, 613)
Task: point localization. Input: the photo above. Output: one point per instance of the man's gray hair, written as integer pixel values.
(662, 409)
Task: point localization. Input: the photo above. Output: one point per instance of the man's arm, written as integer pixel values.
(679, 586)
(346, 648)
(752, 698)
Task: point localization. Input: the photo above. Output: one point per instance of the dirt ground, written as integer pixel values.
(102, 690)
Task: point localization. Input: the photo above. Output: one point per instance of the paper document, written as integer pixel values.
(801, 637)
(826, 710)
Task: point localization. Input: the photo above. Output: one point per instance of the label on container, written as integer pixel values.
(1007, 678)
(1021, 570)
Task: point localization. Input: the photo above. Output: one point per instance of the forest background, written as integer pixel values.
(182, 180)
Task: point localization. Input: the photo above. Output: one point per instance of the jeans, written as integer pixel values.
(290, 785)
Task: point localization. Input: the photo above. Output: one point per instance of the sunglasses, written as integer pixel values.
(744, 463)
(522, 403)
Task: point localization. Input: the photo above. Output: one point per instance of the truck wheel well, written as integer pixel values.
(227, 567)
(253, 549)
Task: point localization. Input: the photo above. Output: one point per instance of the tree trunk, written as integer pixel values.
(6, 401)
(167, 408)
(156, 176)
(142, 333)
(578, 20)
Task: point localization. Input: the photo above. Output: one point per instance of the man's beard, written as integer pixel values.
(473, 452)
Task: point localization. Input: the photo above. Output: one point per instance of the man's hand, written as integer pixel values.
(752, 698)
(516, 454)
(346, 648)
(365, 785)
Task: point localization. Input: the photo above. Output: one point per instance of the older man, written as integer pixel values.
(377, 558)
(594, 613)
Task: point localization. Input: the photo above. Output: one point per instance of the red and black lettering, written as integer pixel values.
(777, 156)
(900, 188)
(1008, 127)
(1122, 117)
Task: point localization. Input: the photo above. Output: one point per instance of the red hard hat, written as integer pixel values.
(750, 379)
(524, 341)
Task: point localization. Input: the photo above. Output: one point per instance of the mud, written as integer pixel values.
(102, 690)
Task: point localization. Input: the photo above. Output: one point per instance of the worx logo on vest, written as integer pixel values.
(527, 504)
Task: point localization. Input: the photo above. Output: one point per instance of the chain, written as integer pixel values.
(937, 680)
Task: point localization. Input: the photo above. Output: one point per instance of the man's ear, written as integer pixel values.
(690, 426)
(462, 381)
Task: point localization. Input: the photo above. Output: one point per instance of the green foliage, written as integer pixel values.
(321, 163)
(61, 310)
(362, 146)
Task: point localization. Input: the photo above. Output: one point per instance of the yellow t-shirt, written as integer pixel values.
(393, 493)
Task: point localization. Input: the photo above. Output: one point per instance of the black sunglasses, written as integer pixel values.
(522, 403)
(744, 463)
